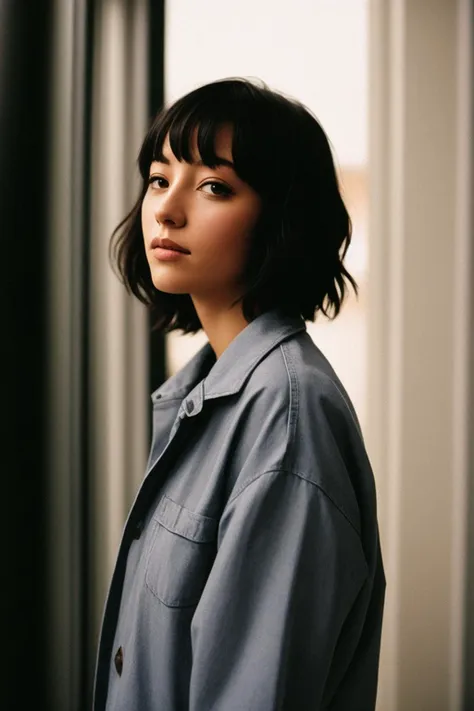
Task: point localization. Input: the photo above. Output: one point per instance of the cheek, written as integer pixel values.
(146, 218)
(243, 236)
(231, 237)
(224, 249)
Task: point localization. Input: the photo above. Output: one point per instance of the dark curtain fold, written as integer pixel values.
(155, 100)
(33, 626)
(25, 35)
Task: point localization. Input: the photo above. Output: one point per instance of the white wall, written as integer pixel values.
(418, 340)
(315, 50)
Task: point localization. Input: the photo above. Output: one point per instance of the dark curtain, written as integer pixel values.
(155, 98)
(25, 36)
(29, 628)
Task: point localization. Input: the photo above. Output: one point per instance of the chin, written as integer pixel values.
(170, 286)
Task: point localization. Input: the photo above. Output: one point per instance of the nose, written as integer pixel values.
(169, 210)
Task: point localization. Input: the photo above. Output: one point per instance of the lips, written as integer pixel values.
(166, 243)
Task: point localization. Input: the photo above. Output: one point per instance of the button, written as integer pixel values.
(190, 406)
(137, 531)
(119, 661)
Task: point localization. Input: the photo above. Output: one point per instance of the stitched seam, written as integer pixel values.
(294, 405)
(175, 602)
(302, 476)
(193, 514)
(175, 532)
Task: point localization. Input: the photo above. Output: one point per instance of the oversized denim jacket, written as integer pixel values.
(249, 576)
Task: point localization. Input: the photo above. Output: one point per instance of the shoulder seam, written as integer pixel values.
(294, 404)
(332, 382)
(302, 476)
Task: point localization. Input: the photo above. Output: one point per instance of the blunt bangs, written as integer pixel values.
(195, 111)
(263, 138)
(281, 151)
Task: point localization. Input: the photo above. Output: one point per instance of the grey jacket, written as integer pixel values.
(249, 576)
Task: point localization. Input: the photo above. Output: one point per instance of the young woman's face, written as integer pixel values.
(210, 213)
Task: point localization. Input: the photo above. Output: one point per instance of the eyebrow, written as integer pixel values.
(219, 161)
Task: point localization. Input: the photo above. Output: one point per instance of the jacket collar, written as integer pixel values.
(205, 378)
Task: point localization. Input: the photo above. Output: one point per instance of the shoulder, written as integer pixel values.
(297, 372)
(317, 422)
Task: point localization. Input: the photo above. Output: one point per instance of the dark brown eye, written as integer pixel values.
(217, 189)
(156, 179)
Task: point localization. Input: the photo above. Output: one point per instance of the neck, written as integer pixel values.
(220, 323)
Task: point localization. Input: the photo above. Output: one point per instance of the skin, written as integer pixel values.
(212, 213)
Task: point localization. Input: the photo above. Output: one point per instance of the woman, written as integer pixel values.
(249, 574)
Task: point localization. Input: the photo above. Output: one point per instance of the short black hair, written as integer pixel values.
(279, 148)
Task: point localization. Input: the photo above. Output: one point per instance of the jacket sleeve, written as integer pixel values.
(288, 569)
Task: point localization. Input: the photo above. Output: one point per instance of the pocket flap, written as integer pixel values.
(186, 523)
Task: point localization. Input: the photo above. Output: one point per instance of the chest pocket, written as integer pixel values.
(182, 550)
